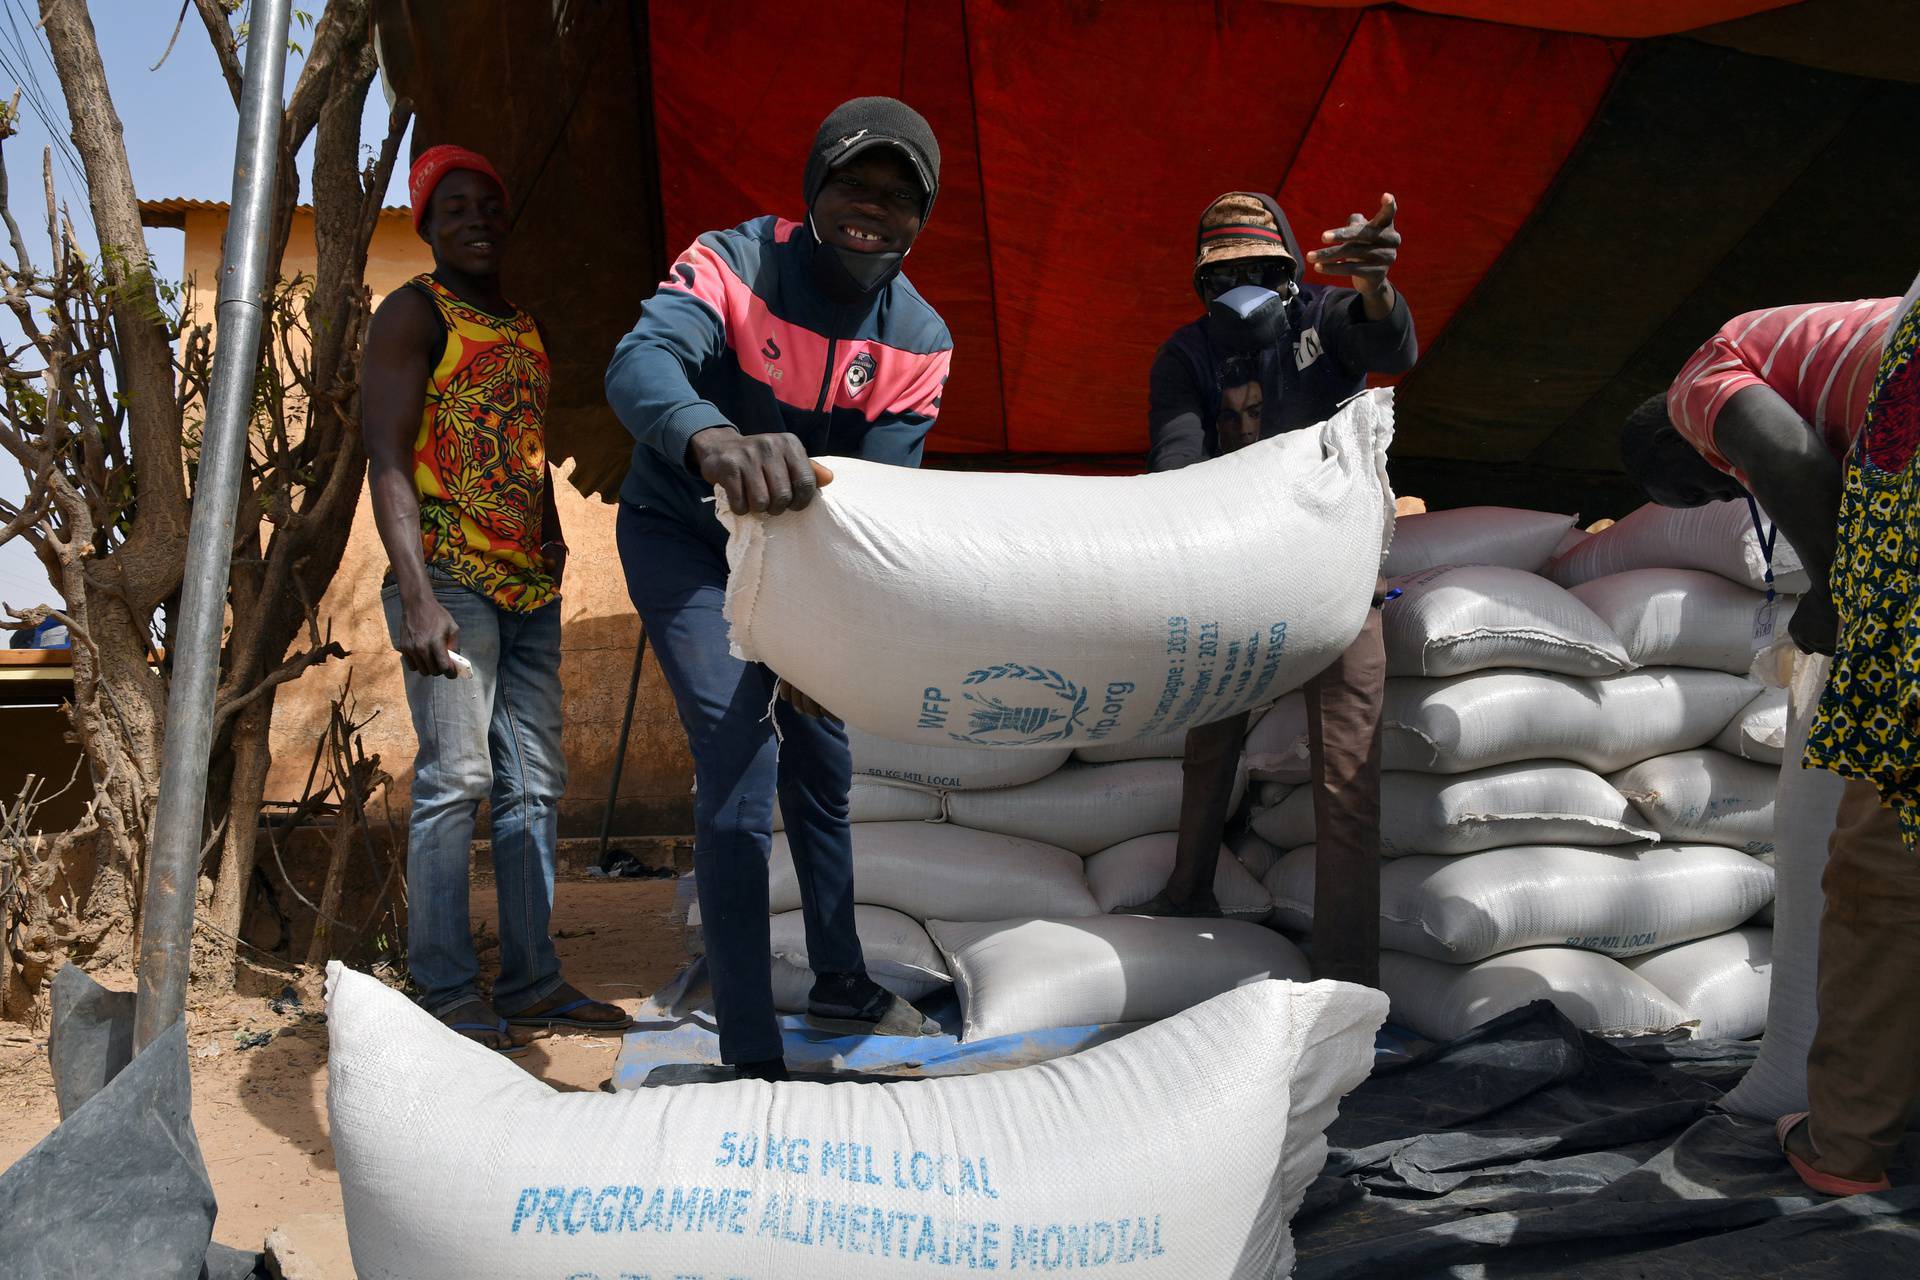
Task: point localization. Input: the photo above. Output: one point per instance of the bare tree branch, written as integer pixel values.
(344, 29)
(155, 549)
(101, 403)
(178, 23)
(225, 48)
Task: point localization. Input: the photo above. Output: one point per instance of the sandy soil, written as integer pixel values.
(261, 1113)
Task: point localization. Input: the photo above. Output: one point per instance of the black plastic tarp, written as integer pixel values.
(119, 1188)
(1529, 1148)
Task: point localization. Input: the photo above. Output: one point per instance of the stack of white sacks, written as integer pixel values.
(1577, 801)
(996, 870)
(1577, 806)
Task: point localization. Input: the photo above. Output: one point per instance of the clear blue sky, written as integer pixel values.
(180, 125)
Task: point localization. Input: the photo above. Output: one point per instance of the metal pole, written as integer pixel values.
(173, 862)
(620, 752)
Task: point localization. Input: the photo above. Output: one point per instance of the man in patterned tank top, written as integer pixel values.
(455, 384)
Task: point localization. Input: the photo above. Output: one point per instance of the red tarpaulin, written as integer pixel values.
(1591, 17)
(1578, 217)
(1061, 278)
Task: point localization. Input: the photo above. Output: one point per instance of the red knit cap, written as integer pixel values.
(436, 163)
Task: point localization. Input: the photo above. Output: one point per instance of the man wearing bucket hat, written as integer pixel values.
(1307, 347)
(455, 387)
(766, 344)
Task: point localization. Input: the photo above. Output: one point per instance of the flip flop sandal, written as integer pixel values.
(1827, 1184)
(557, 1017)
(498, 1027)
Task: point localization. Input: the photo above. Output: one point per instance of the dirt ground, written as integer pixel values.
(261, 1113)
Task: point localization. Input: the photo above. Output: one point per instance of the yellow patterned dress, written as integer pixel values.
(1868, 724)
(480, 460)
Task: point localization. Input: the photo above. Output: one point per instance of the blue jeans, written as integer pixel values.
(677, 578)
(495, 737)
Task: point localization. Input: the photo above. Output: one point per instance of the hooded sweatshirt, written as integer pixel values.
(1325, 360)
(742, 334)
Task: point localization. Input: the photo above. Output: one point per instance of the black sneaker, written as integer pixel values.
(773, 1070)
(854, 1004)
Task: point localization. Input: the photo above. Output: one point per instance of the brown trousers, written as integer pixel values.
(1863, 1071)
(1343, 727)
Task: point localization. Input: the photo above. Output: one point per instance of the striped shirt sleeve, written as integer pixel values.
(1817, 357)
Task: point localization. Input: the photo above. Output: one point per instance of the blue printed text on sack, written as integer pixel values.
(868, 1229)
(941, 1172)
(620, 1210)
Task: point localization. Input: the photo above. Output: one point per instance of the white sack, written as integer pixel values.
(1508, 536)
(1804, 810)
(871, 800)
(1568, 541)
(894, 945)
(1533, 802)
(1028, 975)
(1130, 874)
(1277, 746)
(1606, 723)
(1005, 610)
(1764, 916)
(1704, 797)
(1446, 1001)
(1685, 617)
(1759, 731)
(1256, 855)
(1622, 901)
(1163, 746)
(456, 1163)
(1266, 794)
(1453, 619)
(1716, 538)
(1084, 807)
(1718, 982)
(949, 768)
(928, 869)
(1290, 824)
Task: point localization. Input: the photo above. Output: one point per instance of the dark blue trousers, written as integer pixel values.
(677, 578)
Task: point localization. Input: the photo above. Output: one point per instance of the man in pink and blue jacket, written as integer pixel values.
(766, 345)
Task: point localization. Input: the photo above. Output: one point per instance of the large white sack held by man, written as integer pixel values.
(1002, 610)
(455, 1163)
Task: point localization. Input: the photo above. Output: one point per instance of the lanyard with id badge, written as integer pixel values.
(1772, 654)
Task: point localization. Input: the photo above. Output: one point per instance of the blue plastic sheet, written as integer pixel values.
(680, 1033)
(691, 1040)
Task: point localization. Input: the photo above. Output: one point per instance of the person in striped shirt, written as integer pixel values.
(1863, 1067)
(1768, 407)
(1772, 406)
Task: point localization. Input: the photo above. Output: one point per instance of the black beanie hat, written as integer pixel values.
(862, 123)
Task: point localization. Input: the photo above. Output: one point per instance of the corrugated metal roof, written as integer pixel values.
(172, 211)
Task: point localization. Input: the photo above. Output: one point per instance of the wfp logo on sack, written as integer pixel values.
(1016, 705)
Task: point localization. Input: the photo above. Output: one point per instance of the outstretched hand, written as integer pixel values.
(1365, 248)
